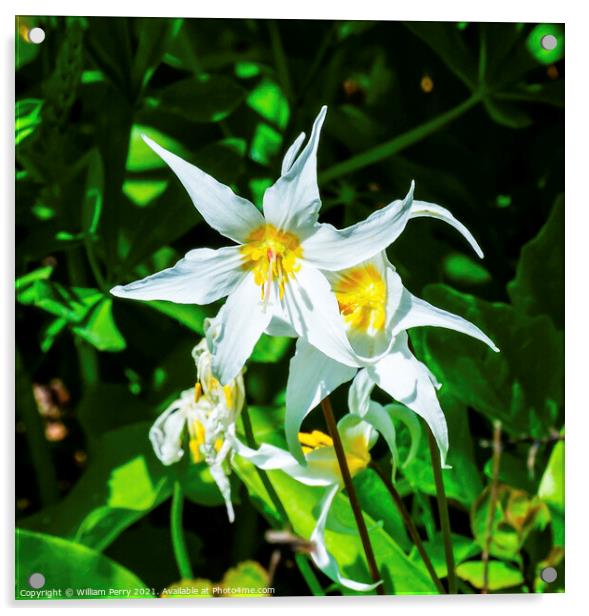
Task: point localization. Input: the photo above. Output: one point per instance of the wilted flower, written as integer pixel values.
(321, 468)
(207, 414)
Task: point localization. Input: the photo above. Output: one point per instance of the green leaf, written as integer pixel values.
(465, 270)
(189, 315)
(68, 565)
(270, 349)
(269, 101)
(248, 574)
(512, 386)
(300, 501)
(501, 575)
(462, 547)
(538, 286)
(462, 482)
(141, 157)
(506, 114)
(99, 328)
(27, 118)
(206, 98)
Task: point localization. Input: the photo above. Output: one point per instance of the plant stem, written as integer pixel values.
(301, 560)
(177, 531)
(309, 575)
(492, 505)
(442, 510)
(251, 441)
(395, 145)
(343, 464)
(413, 532)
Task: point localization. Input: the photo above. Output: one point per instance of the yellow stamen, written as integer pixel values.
(315, 439)
(197, 392)
(273, 256)
(196, 441)
(361, 295)
(229, 397)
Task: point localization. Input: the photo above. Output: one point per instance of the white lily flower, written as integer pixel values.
(275, 270)
(207, 414)
(321, 469)
(377, 310)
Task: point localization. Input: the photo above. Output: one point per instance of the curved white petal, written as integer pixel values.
(402, 413)
(311, 377)
(201, 277)
(232, 216)
(378, 417)
(357, 435)
(269, 457)
(431, 210)
(311, 308)
(335, 249)
(236, 329)
(224, 486)
(359, 393)
(293, 201)
(407, 380)
(416, 312)
(291, 154)
(279, 327)
(321, 557)
(166, 434)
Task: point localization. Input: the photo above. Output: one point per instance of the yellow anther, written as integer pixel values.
(272, 255)
(197, 434)
(229, 397)
(315, 439)
(361, 295)
(197, 392)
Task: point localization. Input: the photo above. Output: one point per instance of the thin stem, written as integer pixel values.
(307, 572)
(343, 464)
(98, 277)
(413, 532)
(395, 145)
(492, 505)
(251, 441)
(177, 531)
(442, 510)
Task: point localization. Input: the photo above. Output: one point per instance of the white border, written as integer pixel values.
(577, 76)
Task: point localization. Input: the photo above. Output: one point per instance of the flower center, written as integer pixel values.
(361, 294)
(272, 256)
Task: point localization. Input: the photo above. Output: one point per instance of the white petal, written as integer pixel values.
(416, 312)
(291, 154)
(357, 435)
(311, 377)
(293, 202)
(230, 215)
(378, 417)
(431, 210)
(402, 413)
(279, 327)
(407, 380)
(236, 329)
(224, 486)
(359, 393)
(201, 277)
(268, 457)
(166, 434)
(310, 307)
(334, 249)
(321, 557)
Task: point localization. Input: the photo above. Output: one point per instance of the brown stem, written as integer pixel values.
(345, 471)
(492, 505)
(413, 532)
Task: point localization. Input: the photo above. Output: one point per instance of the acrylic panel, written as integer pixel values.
(289, 308)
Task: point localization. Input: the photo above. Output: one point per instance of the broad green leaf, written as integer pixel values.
(69, 565)
(462, 547)
(538, 286)
(269, 101)
(99, 327)
(124, 482)
(462, 482)
(501, 575)
(300, 501)
(513, 386)
(206, 98)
